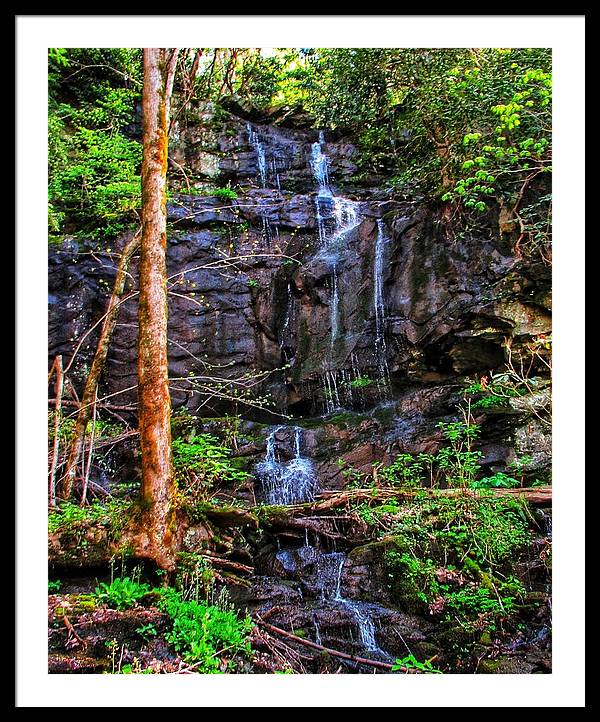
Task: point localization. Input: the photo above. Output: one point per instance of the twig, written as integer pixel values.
(90, 454)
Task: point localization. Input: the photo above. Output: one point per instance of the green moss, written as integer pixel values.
(347, 420)
(304, 338)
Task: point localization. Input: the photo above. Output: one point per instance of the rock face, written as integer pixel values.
(267, 283)
(359, 315)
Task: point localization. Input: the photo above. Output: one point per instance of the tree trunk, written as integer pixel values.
(93, 378)
(157, 539)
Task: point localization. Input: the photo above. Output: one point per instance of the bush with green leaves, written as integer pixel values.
(412, 663)
(201, 462)
(121, 593)
(455, 556)
(499, 480)
(492, 391)
(208, 636)
(456, 462)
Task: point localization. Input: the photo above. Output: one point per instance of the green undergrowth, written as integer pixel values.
(455, 557)
(112, 514)
(121, 593)
(213, 638)
(208, 635)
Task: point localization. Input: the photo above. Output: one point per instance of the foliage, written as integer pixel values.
(355, 479)
(361, 382)
(200, 462)
(518, 147)
(225, 194)
(93, 183)
(206, 635)
(54, 585)
(499, 480)
(411, 662)
(67, 516)
(147, 631)
(405, 470)
(457, 462)
(450, 556)
(493, 390)
(195, 576)
(121, 593)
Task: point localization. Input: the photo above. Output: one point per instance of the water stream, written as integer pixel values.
(286, 482)
(329, 568)
(336, 217)
(379, 303)
(256, 143)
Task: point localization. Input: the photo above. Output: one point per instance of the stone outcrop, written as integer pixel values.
(251, 293)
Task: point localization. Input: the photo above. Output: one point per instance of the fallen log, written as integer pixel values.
(537, 495)
(333, 652)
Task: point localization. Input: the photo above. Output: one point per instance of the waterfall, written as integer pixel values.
(288, 316)
(336, 217)
(320, 166)
(286, 482)
(256, 143)
(329, 575)
(378, 302)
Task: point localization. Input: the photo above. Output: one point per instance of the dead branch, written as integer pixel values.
(72, 636)
(321, 648)
(227, 563)
(86, 478)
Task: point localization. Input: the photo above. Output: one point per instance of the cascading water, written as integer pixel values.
(336, 217)
(259, 148)
(320, 166)
(289, 311)
(378, 302)
(329, 576)
(286, 482)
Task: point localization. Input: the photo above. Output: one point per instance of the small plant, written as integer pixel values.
(492, 391)
(54, 585)
(253, 283)
(499, 480)
(405, 471)
(519, 466)
(225, 194)
(200, 462)
(458, 460)
(121, 593)
(411, 662)
(209, 636)
(355, 479)
(147, 631)
(361, 382)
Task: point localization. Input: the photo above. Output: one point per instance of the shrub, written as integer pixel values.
(200, 462)
(121, 593)
(202, 632)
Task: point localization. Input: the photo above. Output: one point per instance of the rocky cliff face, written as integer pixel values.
(360, 315)
(319, 284)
